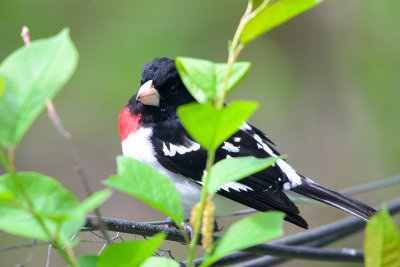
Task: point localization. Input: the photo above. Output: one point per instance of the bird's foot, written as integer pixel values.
(185, 226)
(216, 228)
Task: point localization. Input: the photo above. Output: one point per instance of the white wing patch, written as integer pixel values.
(230, 147)
(291, 174)
(235, 186)
(294, 178)
(237, 139)
(173, 149)
(245, 127)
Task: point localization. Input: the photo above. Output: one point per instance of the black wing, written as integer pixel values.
(177, 152)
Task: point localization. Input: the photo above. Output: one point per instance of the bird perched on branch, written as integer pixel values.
(152, 133)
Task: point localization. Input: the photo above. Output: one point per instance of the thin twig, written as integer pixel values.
(130, 227)
(28, 260)
(11, 157)
(11, 248)
(48, 255)
(25, 35)
(371, 186)
(76, 161)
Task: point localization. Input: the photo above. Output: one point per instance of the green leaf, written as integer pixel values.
(159, 262)
(198, 75)
(57, 208)
(130, 253)
(32, 75)
(382, 241)
(1, 87)
(237, 74)
(257, 3)
(94, 201)
(203, 77)
(145, 183)
(247, 232)
(234, 169)
(210, 126)
(266, 17)
(89, 260)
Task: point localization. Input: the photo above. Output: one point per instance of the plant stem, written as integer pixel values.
(234, 51)
(5, 162)
(203, 198)
(11, 157)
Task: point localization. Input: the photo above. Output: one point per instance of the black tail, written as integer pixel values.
(325, 195)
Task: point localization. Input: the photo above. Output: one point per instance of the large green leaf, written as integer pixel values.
(33, 74)
(236, 75)
(382, 241)
(266, 17)
(160, 262)
(198, 75)
(59, 210)
(233, 169)
(54, 204)
(145, 183)
(130, 253)
(247, 232)
(203, 77)
(210, 126)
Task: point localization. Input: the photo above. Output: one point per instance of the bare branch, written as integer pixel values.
(25, 35)
(76, 162)
(130, 227)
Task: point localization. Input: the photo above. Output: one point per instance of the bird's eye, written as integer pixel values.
(172, 90)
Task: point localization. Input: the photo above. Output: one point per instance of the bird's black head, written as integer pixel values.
(161, 87)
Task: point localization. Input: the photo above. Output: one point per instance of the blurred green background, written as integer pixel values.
(327, 82)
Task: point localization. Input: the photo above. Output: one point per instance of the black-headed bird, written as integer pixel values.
(152, 133)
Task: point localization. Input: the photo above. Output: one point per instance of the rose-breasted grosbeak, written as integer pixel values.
(152, 133)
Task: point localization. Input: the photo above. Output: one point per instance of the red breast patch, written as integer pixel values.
(127, 123)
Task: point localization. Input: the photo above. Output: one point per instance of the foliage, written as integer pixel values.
(216, 124)
(60, 211)
(245, 233)
(204, 78)
(382, 241)
(268, 16)
(33, 74)
(36, 206)
(31, 204)
(130, 253)
(156, 190)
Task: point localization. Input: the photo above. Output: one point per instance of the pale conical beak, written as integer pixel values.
(148, 95)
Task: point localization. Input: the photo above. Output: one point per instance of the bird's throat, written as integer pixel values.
(128, 123)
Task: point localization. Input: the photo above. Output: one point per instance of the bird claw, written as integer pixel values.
(186, 227)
